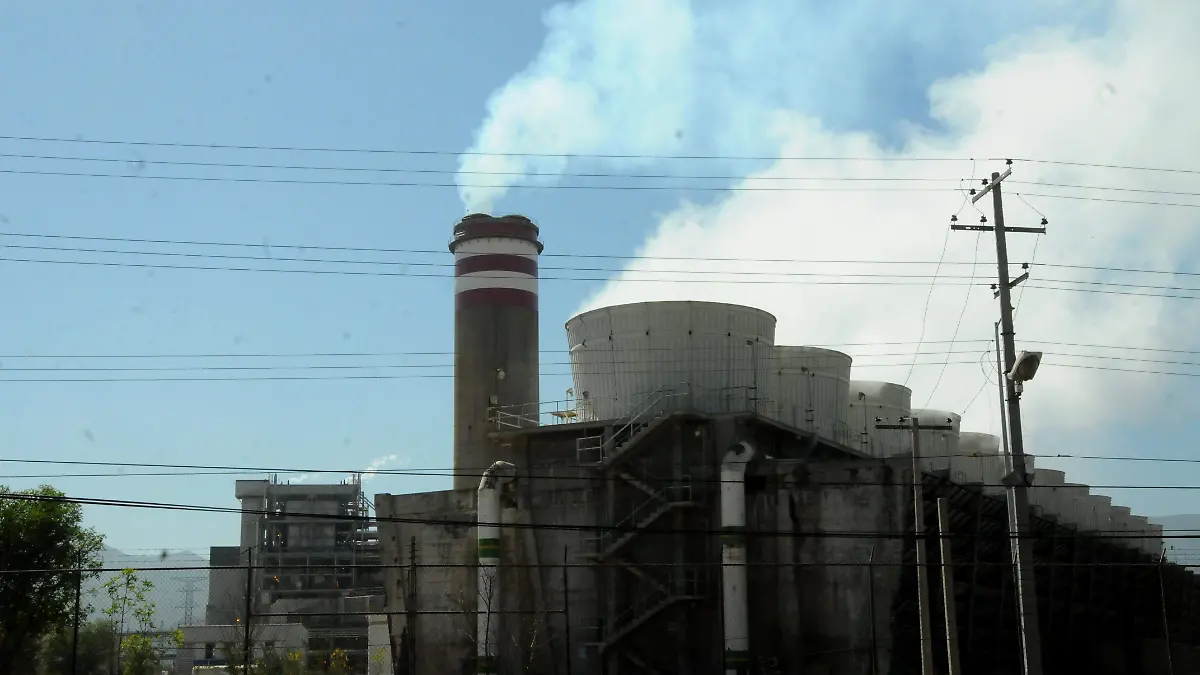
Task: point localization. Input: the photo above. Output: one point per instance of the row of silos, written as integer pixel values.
(636, 359)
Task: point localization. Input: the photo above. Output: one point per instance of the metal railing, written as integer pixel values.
(537, 414)
(654, 404)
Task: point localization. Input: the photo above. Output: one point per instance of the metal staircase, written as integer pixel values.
(660, 503)
(682, 586)
(604, 450)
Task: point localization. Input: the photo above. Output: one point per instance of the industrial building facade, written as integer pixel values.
(314, 557)
(716, 502)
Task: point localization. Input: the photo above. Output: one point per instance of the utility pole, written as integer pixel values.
(75, 626)
(951, 614)
(919, 529)
(246, 646)
(1162, 590)
(1017, 482)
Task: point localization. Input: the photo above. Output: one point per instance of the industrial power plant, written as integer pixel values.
(709, 500)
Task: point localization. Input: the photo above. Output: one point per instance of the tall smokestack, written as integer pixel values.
(495, 331)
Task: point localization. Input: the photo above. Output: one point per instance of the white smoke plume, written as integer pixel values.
(1124, 96)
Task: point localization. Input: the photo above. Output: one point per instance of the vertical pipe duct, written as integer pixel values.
(735, 607)
(495, 334)
(487, 531)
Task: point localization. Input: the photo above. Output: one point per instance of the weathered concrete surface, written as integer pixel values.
(821, 607)
(429, 556)
(542, 544)
(817, 605)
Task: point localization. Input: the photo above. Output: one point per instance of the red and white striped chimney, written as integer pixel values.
(495, 332)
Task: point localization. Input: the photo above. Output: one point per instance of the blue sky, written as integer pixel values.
(409, 76)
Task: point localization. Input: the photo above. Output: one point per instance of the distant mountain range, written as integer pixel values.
(170, 592)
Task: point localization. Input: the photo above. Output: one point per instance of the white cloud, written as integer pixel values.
(1126, 98)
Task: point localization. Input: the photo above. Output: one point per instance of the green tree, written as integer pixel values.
(131, 612)
(339, 663)
(96, 640)
(279, 662)
(42, 544)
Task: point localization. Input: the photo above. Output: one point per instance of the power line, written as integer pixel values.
(1091, 165)
(477, 472)
(456, 153)
(1110, 201)
(518, 186)
(200, 355)
(874, 534)
(563, 174)
(450, 265)
(298, 378)
(430, 275)
(957, 326)
(836, 280)
(443, 252)
(569, 174)
(580, 368)
(451, 353)
(555, 186)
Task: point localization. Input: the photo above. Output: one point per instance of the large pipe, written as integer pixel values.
(487, 531)
(736, 608)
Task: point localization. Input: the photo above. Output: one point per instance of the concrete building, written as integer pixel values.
(226, 585)
(209, 645)
(724, 503)
(315, 553)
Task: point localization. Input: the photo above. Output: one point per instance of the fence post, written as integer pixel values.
(75, 630)
(566, 611)
(874, 630)
(249, 608)
(1162, 591)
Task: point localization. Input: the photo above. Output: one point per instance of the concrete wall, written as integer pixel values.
(226, 587)
(560, 505)
(531, 583)
(198, 639)
(818, 607)
(429, 605)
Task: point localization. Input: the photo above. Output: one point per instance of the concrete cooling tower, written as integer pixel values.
(888, 402)
(712, 357)
(812, 390)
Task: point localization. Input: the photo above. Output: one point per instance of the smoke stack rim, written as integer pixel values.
(482, 225)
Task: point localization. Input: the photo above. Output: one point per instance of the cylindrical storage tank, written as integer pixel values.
(1104, 512)
(1099, 508)
(706, 356)
(1085, 513)
(975, 452)
(495, 334)
(1155, 543)
(1121, 525)
(938, 447)
(1068, 496)
(888, 402)
(1141, 531)
(1042, 493)
(812, 390)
